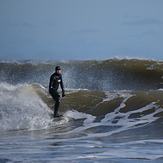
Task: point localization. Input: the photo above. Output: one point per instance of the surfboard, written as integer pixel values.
(58, 118)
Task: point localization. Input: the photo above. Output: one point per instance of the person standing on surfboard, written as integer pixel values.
(55, 81)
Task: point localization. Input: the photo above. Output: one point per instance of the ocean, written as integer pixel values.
(112, 112)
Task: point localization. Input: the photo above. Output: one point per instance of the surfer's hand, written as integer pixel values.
(63, 94)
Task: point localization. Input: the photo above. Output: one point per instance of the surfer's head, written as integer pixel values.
(58, 69)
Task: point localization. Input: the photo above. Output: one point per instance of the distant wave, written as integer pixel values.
(104, 75)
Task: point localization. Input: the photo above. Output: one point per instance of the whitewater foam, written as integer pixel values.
(21, 108)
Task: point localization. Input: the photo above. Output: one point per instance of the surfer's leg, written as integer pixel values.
(56, 97)
(56, 107)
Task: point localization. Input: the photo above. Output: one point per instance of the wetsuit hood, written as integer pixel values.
(57, 68)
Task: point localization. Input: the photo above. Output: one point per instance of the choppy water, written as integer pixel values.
(113, 112)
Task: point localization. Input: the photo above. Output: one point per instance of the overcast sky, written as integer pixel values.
(81, 29)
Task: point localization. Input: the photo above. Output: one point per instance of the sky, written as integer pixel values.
(81, 29)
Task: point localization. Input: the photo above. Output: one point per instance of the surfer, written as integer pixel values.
(55, 81)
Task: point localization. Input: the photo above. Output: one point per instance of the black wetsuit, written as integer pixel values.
(55, 81)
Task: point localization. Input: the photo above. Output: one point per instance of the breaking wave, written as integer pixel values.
(29, 107)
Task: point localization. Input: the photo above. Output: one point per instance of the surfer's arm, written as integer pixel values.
(51, 82)
(62, 87)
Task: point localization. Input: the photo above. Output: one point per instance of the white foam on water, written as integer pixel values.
(87, 123)
(79, 115)
(21, 108)
(122, 123)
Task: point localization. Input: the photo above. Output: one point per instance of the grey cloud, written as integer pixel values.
(84, 30)
(145, 21)
(25, 24)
